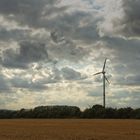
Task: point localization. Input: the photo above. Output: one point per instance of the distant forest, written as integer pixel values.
(96, 111)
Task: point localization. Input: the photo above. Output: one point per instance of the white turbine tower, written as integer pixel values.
(104, 79)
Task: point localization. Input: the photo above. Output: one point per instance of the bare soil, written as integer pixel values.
(69, 129)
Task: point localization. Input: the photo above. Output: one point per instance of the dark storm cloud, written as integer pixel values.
(57, 36)
(66, 49)
(128, 80)
(127, 47)
(65, 73)
(24, 7)
(4, 85)
(24, 16)
(121, 19)
(32, 51)
(133, 80)
(27, 52)
(77, 25)
(23, 83)
(70, 74)
(28, 12)
(132, 18)
(14, 34)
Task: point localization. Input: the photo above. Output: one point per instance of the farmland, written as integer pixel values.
(69, 129)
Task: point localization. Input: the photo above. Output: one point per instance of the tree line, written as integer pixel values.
(96, 111)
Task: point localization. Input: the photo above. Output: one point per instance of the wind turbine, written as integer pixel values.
(104, 79)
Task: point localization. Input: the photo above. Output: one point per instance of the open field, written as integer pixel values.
(69, 129)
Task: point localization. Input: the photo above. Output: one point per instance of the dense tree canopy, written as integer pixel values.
(96, 111)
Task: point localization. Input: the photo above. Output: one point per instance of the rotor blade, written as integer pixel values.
(107, 80)
(97, 73)
(104, 64)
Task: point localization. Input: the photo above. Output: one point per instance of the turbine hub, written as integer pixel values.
(103, 72)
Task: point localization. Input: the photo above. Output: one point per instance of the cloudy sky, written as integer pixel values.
(50, 49)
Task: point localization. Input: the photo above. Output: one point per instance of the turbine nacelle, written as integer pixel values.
(103, 72)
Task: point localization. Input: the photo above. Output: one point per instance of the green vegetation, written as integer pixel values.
(96, 111)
